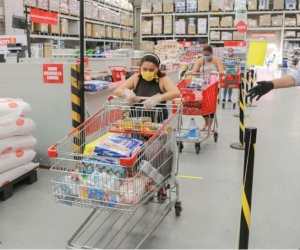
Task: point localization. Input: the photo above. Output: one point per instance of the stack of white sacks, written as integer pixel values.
(16, 141)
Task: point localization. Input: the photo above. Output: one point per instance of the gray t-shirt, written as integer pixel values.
(295, 74)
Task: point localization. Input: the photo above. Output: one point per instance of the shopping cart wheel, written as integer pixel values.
(223, 105)
(178, 208)
(197, 147)
(216, 136)
(234, 106)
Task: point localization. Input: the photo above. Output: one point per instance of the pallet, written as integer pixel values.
(54, 34)
(41, 33)
(7, 191)
(65, 35)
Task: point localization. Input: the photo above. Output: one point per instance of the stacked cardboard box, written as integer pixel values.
(265, 20)
(191, 26)
(47, 50)
(290, 4)
(146, 7)
(130, 20)
(157, 6)
(64, 7)
(215, 35)
(252, 23)
(168, 6)
(179, 6)
(226, 36)
(30, 3)
(53, 29)
(157, 25)
(88, 10)
(214, 7)
(54, 5)
(290, 33)
(43, 4)
(168, 28)
(73, 7)
(88, 29)
(125, 34)
(147, 46)
(146, 28)
(40, 27)
(277, 21)
(130, 35)
(252, 4)
(101, 31)
(108, 32)
(214, 21)
(64, 26)
(102, 14)
(237, 36)
(290, 21)
(95, 30)
(278, 5)
(203, 5)
(116, 33)
(264, 4)
(191, 6)
(95, 13)
(202, 26)
(180, 27)
(124, 19)
(115, 17)
(226, 22)
(298, 20)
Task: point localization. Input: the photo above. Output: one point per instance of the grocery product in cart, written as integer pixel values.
(198, 101)
(109, 166)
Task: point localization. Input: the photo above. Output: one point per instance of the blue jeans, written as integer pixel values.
(225, 93)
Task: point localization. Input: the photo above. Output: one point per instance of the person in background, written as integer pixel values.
(208, 63)
(230, 62)
(292, 79)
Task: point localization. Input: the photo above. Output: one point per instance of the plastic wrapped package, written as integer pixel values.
(64, 7)
(30, 3)
(95, 14)
(54, 5)
(88, 10)
(101, 13)
(74, 7)
(43, 4)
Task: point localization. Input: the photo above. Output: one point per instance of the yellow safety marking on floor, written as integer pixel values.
(190, 177)
(246, 208)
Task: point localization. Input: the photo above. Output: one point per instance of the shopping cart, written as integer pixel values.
(120, 190)
(118, 72)
(199, 92)
(230, 81)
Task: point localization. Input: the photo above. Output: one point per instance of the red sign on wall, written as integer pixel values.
(5, 41)
(241, 27)
(53, 73)
(40, 16)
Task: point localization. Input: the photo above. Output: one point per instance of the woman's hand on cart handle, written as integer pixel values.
(262, 88)
(152, 101)
(130, 96)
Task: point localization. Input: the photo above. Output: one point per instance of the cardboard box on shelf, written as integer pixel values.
(191, 29)
(214, 21)
(168, 29)
(214, 6)
(277, 21)
(130, 20)
(264, 5)
(130, 35)
(116, 33)
(226, 22)
(237, 36)
(290, 21)
(298, 34)
(298, 20)
(157, 6)
(290, 4)
(88, 29)
(226, 36)
(202, 26)
(125, 34)
(290, 33)
(54, 29)
(168, 20)
(191, 6)
(146, 28)
(215, 35)
(147, 46)
(265, 20)
(64, 28)
(203, 5)
(157, 25)
(168, 6)
(95, 30)
(29, 3)
(252, 4)
(101, 31)
(54, 5)
(108, 32)
(252, 23)
(146, 8)
(40, 27)
(278, 5)
(180, 27)
(47, 47)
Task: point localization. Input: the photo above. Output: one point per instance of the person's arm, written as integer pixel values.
(197, 66)
(220, 66)
(171, 91)
(286, 81)
(128, 84)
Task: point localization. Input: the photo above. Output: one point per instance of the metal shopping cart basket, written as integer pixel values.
(199, 92)
(230, 81)
(118, 72)
(120, 190)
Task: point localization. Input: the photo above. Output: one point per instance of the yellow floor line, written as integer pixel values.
(190, 177)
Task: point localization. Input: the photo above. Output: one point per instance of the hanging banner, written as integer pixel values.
(257, 53)
(40, 16)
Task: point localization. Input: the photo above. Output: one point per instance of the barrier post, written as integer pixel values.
(244, 83)
(250, 142)
(240, 145)
(247, 80)
(251, 83)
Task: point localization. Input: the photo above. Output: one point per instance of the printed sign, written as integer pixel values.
(241, 26)
(86, 61)
(6, 40)
(53, 73)
(40, 16)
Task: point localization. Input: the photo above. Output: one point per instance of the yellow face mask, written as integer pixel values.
(148, 76)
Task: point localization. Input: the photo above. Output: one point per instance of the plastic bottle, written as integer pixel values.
(193, 130)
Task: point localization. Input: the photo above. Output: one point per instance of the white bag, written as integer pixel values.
(16, 126)
(16, 159)
(13, 174)
(15, 143)
(13, 108)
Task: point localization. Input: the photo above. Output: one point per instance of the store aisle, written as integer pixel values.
(31, 219)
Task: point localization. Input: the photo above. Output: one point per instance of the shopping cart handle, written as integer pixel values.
(52, 153)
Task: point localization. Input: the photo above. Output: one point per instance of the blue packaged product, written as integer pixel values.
(95, 85)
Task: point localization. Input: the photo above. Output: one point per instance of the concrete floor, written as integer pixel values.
(212, 206)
